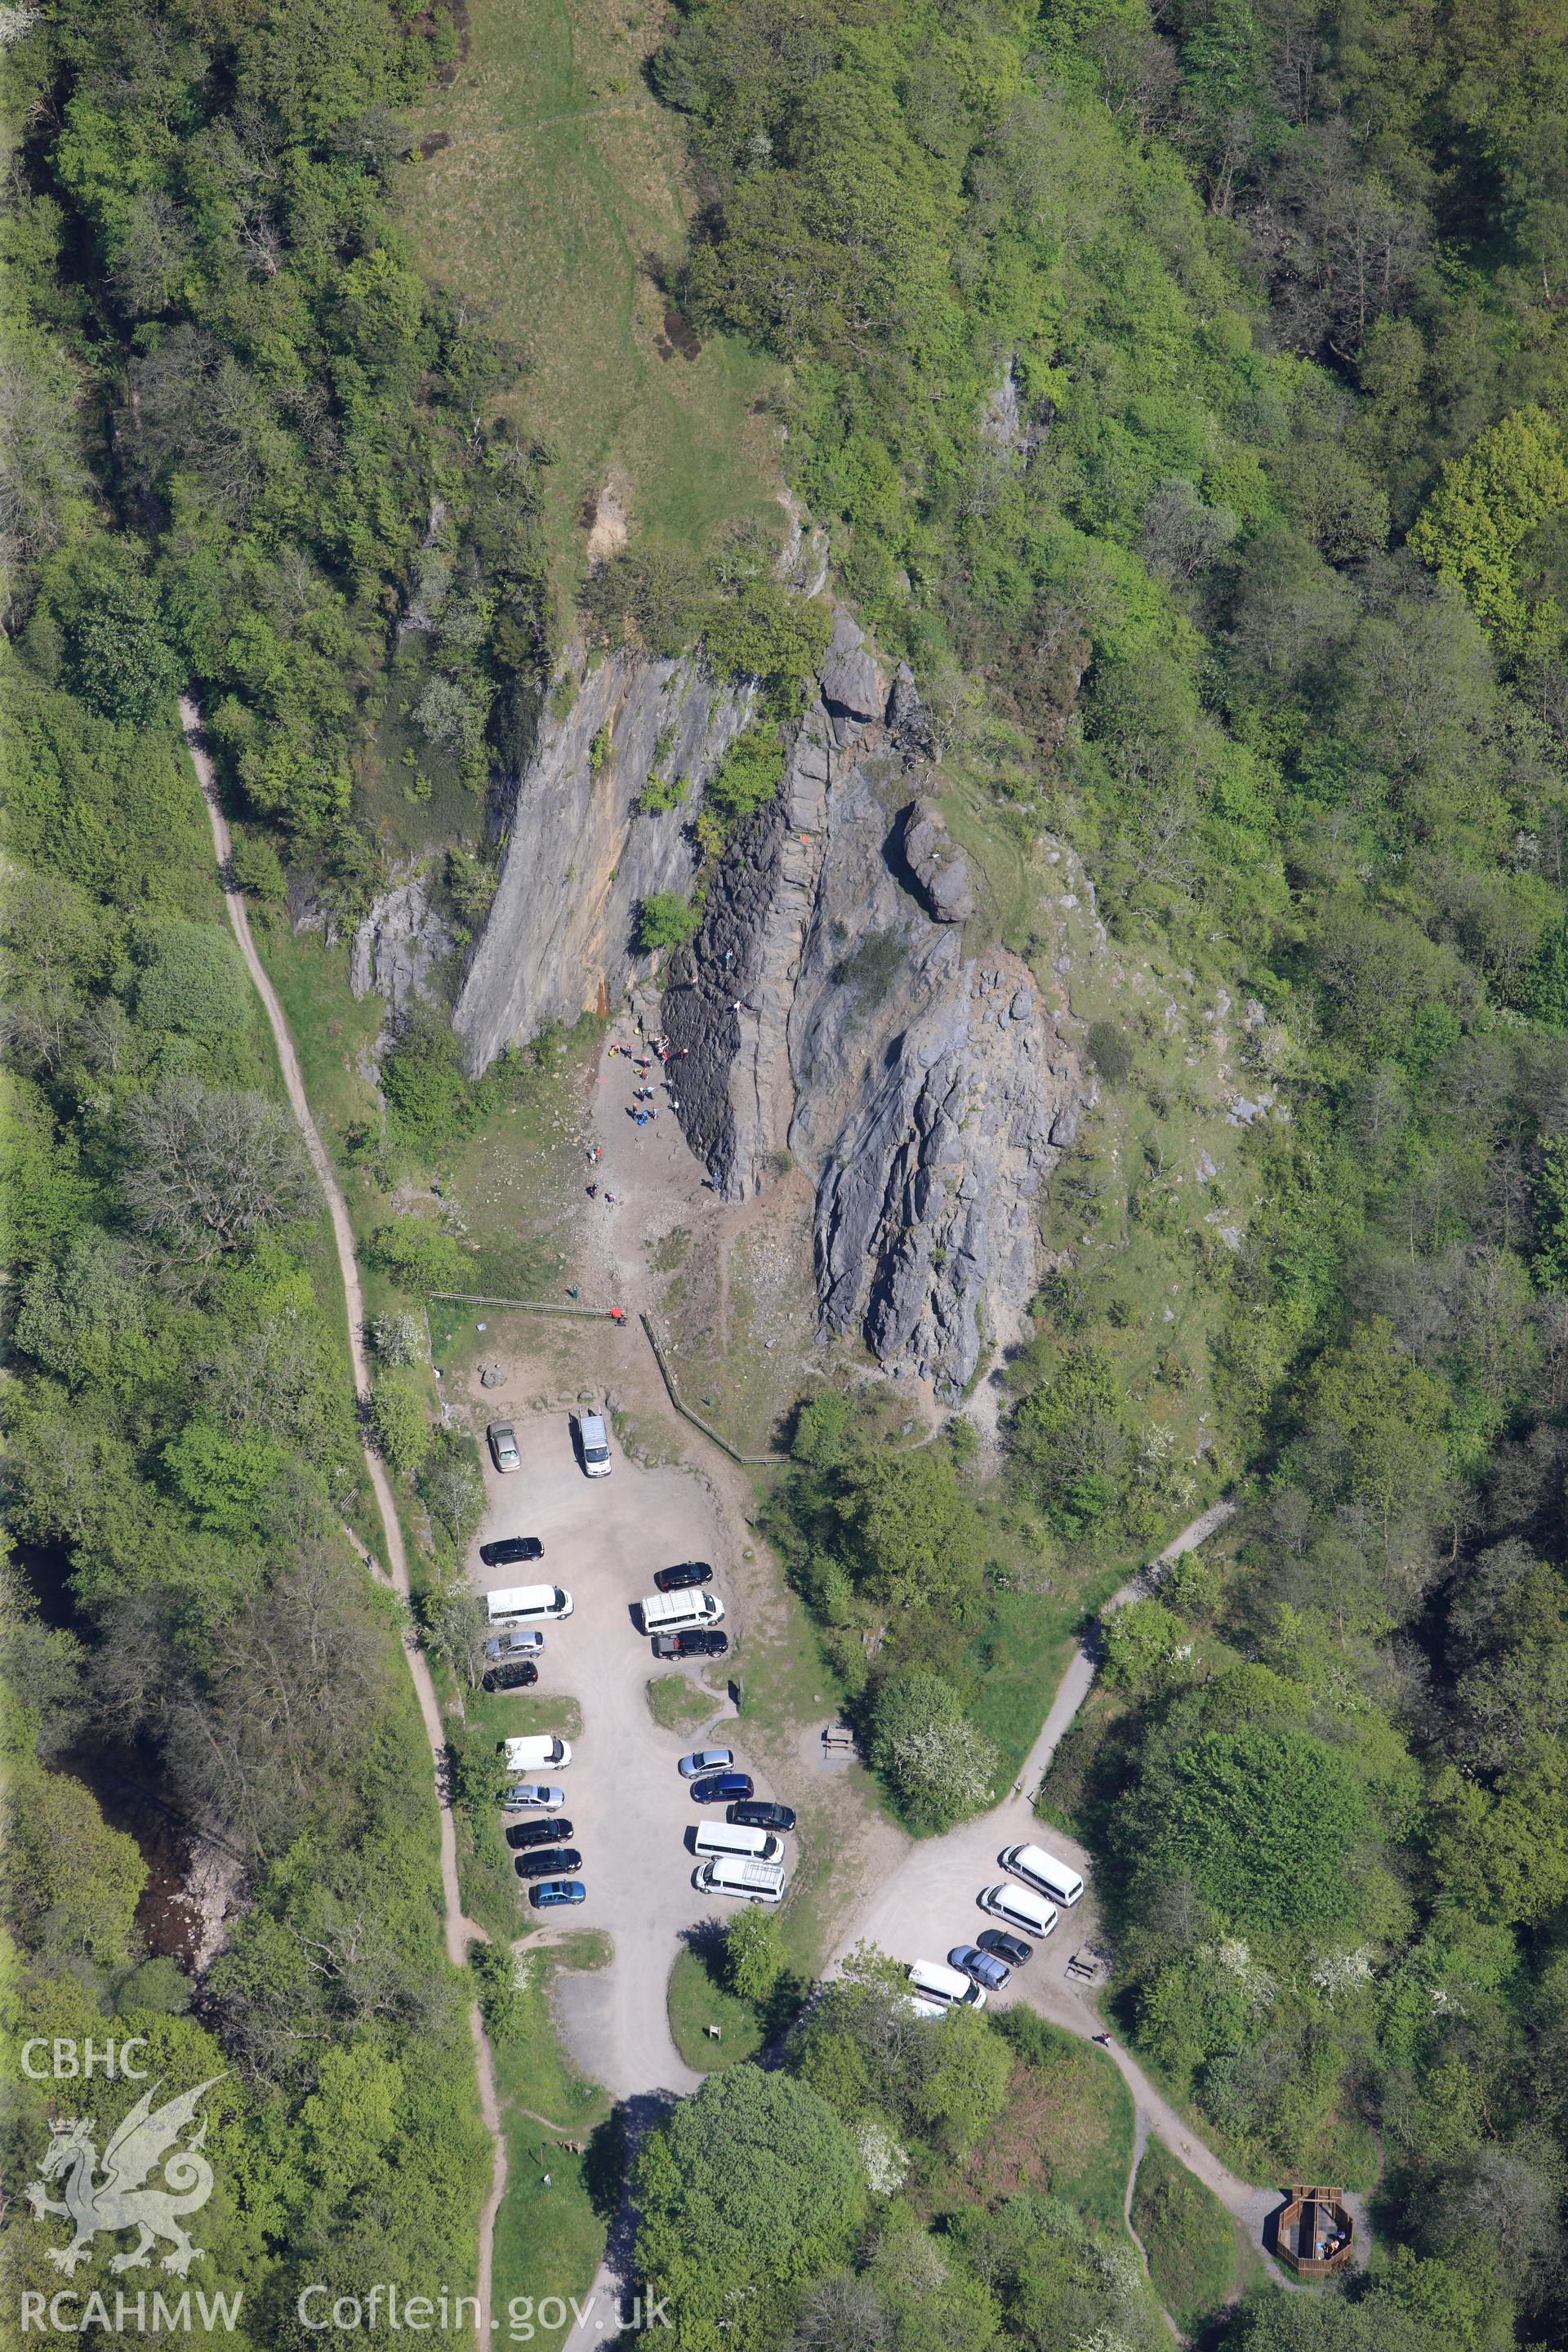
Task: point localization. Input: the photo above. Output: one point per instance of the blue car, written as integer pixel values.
(555, 1891)
(979, 1967)
(718, 1788)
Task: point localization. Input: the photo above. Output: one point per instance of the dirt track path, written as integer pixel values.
(929, 1904)
(461, 1932)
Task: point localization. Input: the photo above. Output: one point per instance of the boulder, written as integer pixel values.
(851, 681)
(936, 863)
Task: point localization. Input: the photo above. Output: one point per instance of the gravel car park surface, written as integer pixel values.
(630, 1808)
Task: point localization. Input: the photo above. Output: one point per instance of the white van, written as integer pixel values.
(522, 1755)
(526, 1604)
(1019, 1906)
(935, 1988)
(595, 1444)
(1054, 1878)
(729, 1837)
(678, 1612)
(743, 1875)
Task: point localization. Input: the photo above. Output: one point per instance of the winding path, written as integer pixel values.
(461, 1932)
(929, 1904)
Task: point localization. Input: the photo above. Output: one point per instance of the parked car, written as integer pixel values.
(757, 1813)
(1011, 1948)
(517, 1642)
(535, 1748)
(704, 1760)
(980, 1967)
(594, 1442)
(532, 1797)
(501, 1438)
(719, 1787)
(548, 1861)
(516, 1674)
(698, 1641)
(555, 1891)
(523, 1836)
(684, 1572)
(510, 1547)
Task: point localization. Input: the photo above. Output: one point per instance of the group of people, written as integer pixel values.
(642, 1109)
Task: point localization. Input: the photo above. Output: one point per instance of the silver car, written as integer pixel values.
(502, 1440)
(532, 1797)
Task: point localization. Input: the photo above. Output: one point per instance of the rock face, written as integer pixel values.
(398, 945)
(559, 935)
(826, 1011)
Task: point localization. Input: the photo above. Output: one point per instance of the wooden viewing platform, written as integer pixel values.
(1313, 2233)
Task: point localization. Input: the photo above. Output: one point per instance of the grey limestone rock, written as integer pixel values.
(851, 681)
(559, 937)
(398, 945)
(938, 864)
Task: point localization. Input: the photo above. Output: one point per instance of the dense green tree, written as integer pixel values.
(752, 2185)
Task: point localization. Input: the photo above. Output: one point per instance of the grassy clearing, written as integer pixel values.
(677, 1705)
(740, 1318)
(698, 2000)
(1021, 1657)
(1197, 2257)
(561, 192)
(519, 1715)
(549, 2239)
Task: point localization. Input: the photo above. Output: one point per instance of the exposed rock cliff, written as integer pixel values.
(825, 1011)
(559, 935)
(398, 945)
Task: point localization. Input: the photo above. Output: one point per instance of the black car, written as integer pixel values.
(698, 1643)
(515, 1676)
(756, 1813)
(550, 1861)
(1003, 1947)
(510, 1547)
(685, 1573)
(524, 1835)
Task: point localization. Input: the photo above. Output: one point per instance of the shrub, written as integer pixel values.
(1110, 1052)
(399, 1427)
(652, 593)
(750, 773)
(766, 633)
(192, 980)
(665, 920)
(397, 1338)
(753, 1955)
(418, 1255)
(936, 1764)
(259, 870)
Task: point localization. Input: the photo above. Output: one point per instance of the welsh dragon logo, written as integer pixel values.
(118, 2199)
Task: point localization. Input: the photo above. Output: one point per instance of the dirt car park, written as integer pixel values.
(603, 1538)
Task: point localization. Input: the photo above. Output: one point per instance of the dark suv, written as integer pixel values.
(550, 1861)
(701, 1642)
(685, 1573)
(511, 1548)
(756, 1813)
(719, 1786)
(523, 1836)
(517, 1675)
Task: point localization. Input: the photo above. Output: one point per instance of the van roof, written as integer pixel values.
(935, 1975)
(1035, 1858)
(520, 1596)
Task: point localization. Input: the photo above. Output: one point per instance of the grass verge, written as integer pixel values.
(554, 2217)
(1197, 2257)
(677, 1705)
(697, 2001)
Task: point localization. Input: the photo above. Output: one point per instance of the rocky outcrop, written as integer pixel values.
(559, 936)
(938, 865)
(826, 1015)
(399, 944)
